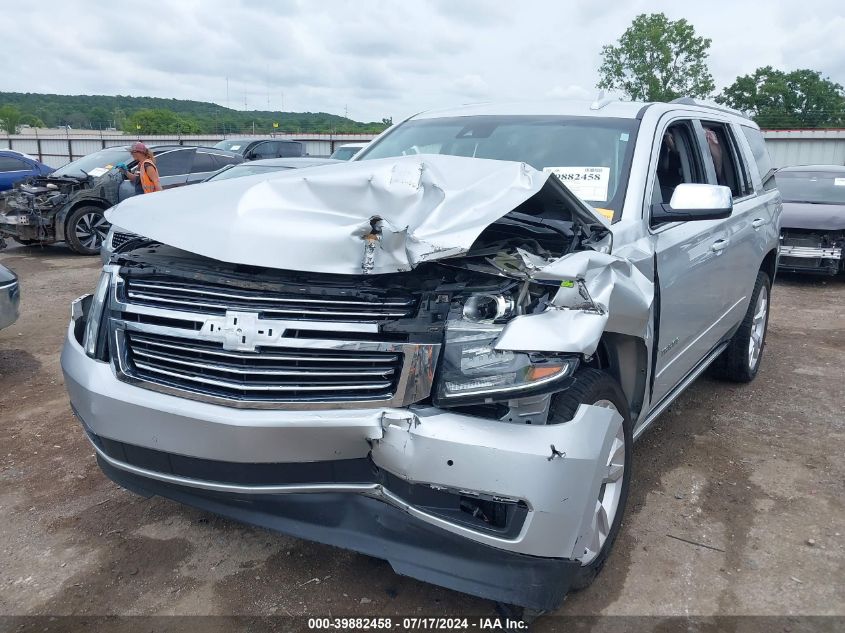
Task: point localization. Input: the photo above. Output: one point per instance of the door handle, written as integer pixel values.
(719, 245)
(757, 223)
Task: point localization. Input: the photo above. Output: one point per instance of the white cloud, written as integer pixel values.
(382, 58)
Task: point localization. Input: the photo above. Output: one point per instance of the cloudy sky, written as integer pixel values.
(380, 58)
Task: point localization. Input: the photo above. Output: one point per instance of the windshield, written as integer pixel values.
(232, 145)
(345, 153)
(104, 159)
(591, 155)
(245, 169)
(817, 187)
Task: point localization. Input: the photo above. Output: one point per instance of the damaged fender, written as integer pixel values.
(556, 470)
(598, 293)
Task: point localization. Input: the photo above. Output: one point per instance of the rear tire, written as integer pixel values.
(87, 229)
(741, 359)
(595, 387)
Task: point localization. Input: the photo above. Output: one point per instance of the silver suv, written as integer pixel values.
(440, 353)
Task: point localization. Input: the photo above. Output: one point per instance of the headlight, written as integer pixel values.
(95, 315)
(472, 370)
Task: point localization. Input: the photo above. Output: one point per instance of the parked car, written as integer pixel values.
(9, 297)
(16, 166)
(68, 205)
(118, 238)
(347, 150)
(812, 237)
(257, 149)
(441, 352)
(267, 166)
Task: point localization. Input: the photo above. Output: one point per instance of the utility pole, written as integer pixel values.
(227, 92)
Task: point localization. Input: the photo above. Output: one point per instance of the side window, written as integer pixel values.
(203, 163)
(8, 163)
(290, 149)
(268, 149)
(221, 160)
(761, 155)
(679, 162)
(726, 158)
(174, 163)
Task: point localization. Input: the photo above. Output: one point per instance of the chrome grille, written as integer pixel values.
(273, 376)
(247, 348)
(216, 299)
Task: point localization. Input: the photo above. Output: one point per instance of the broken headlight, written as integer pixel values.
(471, 369)
(90, 341)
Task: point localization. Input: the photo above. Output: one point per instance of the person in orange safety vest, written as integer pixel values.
(147, 176)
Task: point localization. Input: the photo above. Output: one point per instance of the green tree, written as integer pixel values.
(161, 121)
(657, 59)
(10, 119)
(778, 100)
(32, 121)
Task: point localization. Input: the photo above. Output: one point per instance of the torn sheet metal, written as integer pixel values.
(598, 293)
(375, 216)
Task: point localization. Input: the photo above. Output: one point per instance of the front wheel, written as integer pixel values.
(87, 229)
(741, 359)
(597, 388)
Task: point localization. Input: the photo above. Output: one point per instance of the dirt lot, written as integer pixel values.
(755, 472)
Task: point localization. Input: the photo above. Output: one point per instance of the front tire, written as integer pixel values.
(594, 387)
(741, 359)
(87, 229)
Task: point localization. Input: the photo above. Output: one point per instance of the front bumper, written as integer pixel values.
(810, 259)
(10, 298)
(412, 449)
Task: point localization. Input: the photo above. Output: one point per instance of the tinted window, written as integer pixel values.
(592, 155)
(679, 162)
(222, 160)
(761, 155)
(267, 149)
(817, 187)
(725, 157)
(7, 163)
(232, 145)
(290, 149)
(204, 163)
(174, 163)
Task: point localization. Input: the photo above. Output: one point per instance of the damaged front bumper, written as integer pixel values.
(498, 509)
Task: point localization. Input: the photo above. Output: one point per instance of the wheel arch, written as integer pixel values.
(63, 215)
(770, 264)
(625, 357)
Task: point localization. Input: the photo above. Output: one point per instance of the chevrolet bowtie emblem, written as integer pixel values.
(241, 331)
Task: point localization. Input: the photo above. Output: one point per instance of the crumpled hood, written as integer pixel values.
(321, 219)
(823, 217)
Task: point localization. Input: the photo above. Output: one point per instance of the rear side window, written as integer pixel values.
(7, 163)
(290, 149)
(727, 161)
(203, 163)
(761, 155)
(174, 163)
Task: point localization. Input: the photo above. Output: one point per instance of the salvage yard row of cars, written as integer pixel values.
(441, 352)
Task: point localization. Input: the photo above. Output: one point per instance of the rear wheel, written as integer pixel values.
(741, 359)
(87, 229)
(598, 388)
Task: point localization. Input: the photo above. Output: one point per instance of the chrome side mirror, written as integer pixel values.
(694, 202)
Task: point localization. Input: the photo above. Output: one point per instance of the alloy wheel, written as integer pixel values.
(610, 493)
(91, 230)
(758, 328)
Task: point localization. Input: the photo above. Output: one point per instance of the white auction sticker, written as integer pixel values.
(588, 183)
(839, 182)
(97, 172)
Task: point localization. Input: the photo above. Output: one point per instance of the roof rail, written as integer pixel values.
(712, 105)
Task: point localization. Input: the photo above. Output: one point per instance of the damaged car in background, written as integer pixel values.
(69, 204)
(441, 352)
(813, 224)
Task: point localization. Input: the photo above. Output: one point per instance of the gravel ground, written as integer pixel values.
(754, 472)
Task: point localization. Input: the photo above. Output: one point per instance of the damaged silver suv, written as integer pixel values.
(440, 353)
